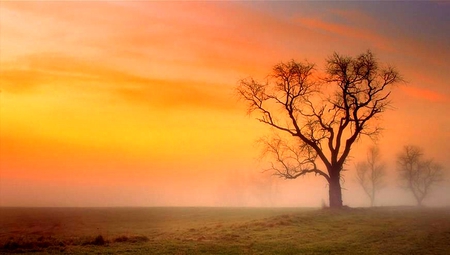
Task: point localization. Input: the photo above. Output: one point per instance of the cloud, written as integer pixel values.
(206, 41)
(346, 32)
(36, 72)
(424, 94)
(166, 94)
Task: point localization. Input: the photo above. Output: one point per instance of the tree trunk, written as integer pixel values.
(419, 201)
(335, 191)
(372, 198)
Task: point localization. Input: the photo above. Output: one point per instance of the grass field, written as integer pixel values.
(389, 230)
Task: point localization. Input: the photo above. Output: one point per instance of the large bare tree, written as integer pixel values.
(417, 174)
(370, 173)
(324, 114)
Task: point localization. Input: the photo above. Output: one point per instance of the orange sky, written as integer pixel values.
(133, 104)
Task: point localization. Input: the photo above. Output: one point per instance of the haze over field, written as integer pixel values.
(133, 103)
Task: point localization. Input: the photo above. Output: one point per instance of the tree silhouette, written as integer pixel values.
(417, 174)
(324, 116)
(370, 173)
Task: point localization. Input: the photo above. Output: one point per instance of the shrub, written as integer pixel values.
(99, 240)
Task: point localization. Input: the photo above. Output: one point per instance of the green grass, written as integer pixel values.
(389, 230)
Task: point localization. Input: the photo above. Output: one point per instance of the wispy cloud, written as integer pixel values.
(43, 70)
(346, 32)
(424, 94)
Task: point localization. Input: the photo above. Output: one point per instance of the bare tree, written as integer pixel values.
(418, 175)
(325, 116)
(370, 173)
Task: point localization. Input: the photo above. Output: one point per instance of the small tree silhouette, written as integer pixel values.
(417, 174)
(370, 173)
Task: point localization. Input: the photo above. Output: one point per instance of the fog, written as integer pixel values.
(234, 188)
(222, 180)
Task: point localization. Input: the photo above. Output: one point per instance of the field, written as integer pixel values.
(384, 230)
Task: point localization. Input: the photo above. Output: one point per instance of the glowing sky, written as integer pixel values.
(133, 104)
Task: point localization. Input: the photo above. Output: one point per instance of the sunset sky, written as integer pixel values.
(133, 103)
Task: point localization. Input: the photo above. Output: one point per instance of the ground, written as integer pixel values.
(384, 230)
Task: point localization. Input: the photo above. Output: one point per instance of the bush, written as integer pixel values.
(138, 239)
(131, 239)
(121, 239)
(99, 240)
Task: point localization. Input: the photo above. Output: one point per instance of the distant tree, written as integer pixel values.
(324, 116)
(417, 174)
(370, 173)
